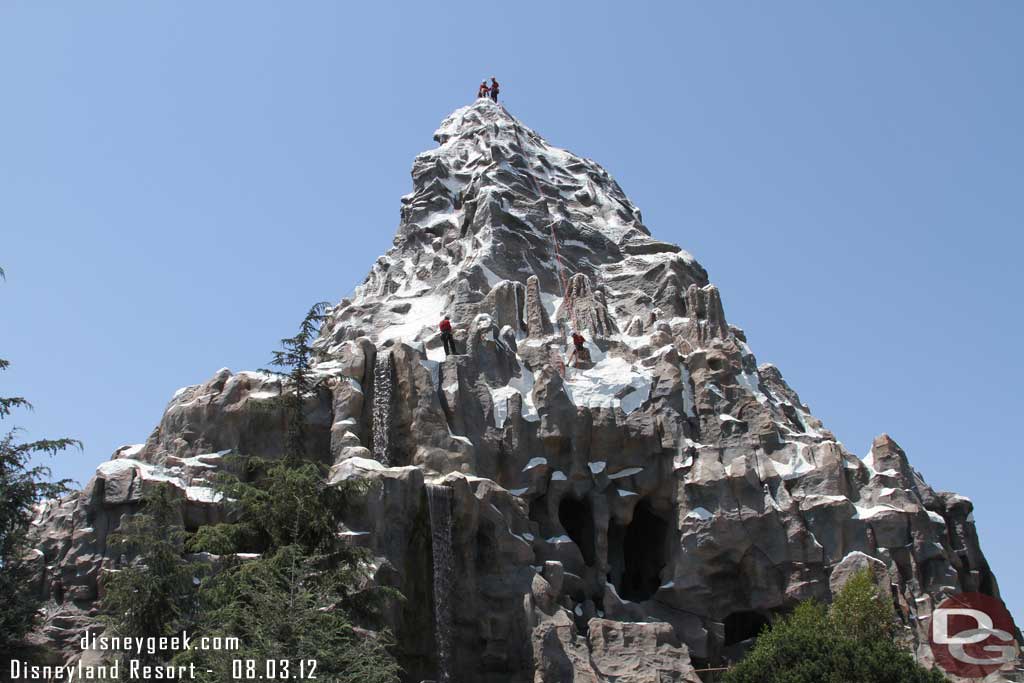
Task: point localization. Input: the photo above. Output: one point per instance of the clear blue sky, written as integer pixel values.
(180, 180)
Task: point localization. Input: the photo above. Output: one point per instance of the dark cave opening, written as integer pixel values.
(577, 518)
(637, 553)
(740, 626)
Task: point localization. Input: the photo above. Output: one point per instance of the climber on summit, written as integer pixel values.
(494, 88)
(446, 336)
(484, 91)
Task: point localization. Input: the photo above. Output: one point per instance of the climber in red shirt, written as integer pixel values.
(494, 88)
(484, 91)
(446, 336)
(579, 351)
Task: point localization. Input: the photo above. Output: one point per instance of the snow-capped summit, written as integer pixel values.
(495, 201)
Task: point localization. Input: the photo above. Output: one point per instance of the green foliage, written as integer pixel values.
(281, 504)
(283, 608)
(156, 595)
(851, 642)
(861, 609)
(286, 505)
(295, 356)
(22, 486)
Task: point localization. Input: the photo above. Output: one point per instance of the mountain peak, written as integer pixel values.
(494, 201)
(469, 119)
(651, 484)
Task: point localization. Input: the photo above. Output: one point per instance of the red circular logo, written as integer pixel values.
(972, 635)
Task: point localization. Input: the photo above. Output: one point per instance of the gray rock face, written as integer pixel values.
(612, 523)
(585, 308)
(537, 322)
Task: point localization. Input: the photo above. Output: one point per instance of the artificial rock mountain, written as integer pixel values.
(626, 521)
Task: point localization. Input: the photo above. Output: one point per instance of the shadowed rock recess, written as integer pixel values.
(628, 522)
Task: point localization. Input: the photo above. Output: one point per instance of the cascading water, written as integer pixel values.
(382, 392)
(439, 503)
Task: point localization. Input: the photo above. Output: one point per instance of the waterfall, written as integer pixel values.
(382, 393)
(439, 503)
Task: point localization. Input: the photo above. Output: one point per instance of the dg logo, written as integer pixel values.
(972, 635)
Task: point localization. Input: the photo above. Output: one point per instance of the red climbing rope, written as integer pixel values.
(566, 301)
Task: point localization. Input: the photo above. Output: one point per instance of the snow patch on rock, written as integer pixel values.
(612, 383)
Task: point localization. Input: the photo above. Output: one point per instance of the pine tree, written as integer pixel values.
(297, 600)
(285, 608)
(295, 356)
(287, 501)
(156, 594)
(22, 486)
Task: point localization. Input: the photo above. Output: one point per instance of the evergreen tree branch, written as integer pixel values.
(9, 403)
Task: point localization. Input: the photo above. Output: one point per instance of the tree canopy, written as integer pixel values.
(849, 642)
(23, 485)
